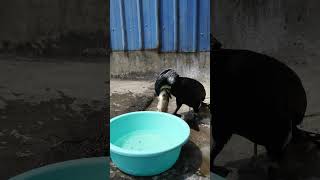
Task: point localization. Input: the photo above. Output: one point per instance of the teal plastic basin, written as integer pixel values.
(81, 169)
(146, 143)
(216, 177)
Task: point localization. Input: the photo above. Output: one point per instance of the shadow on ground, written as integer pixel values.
(301, 162)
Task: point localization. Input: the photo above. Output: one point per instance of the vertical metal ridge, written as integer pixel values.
(117, 25)
(157, 45)
(159, 26)
(149, 24)
(195, 27)
(175, 29)
(141, 21)
(166, 25)
(178, 26)
(123, 24)
(204, 26)
(187, 25)
(140, 45)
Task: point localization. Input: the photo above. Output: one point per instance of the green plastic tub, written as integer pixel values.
(216, 177)
(146, 143)
(81, 169)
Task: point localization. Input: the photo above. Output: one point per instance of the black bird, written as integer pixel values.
(257, 97)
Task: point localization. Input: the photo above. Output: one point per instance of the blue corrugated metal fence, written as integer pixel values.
(167, 25)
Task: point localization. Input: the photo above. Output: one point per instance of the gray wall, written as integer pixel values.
(286, 29)
(148, 64)
(72, 22)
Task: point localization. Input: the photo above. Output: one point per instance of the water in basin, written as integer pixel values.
(144, 140)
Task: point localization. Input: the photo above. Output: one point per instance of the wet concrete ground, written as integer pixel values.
(193, 162)
(51, 110)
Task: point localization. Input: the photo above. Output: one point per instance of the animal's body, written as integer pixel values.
(189, 92)
(257, 97)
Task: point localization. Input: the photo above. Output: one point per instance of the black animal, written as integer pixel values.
(216, 45)
(186, 90)
(189, 92)
(257, 97)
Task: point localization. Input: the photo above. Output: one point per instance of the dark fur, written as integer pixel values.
(189, 92)
(162, 79)
(254, 96)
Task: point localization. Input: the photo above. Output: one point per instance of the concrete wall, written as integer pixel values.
(39, 23)
(148, 64)
(286, 29)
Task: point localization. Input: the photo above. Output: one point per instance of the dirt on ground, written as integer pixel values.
(51, 111)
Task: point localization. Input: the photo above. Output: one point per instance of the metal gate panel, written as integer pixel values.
(165, 25)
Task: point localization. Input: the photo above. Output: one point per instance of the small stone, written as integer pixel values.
(3, 142)
(1, 134)
(40, 123)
